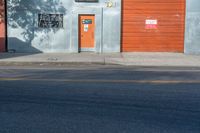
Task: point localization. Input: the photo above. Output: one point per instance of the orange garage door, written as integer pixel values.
(153, 25)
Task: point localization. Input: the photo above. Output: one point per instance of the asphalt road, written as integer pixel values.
(99, 99)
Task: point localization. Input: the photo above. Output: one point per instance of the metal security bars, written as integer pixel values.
(50, 20)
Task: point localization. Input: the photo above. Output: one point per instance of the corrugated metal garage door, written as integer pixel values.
(168, 36)
(2, 27)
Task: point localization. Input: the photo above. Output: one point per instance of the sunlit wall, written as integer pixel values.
(192, 29)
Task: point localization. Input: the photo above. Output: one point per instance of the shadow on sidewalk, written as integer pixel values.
(22, 49)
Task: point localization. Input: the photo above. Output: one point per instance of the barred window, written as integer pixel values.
(50, 20)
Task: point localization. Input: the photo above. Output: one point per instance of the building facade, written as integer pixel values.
(103, 26)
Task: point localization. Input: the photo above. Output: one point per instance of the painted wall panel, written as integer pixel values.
(2, 26)
(24, 35)
(112, 28)
(167, 35)
(192, 31)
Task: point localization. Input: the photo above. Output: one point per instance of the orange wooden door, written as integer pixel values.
(86, 31)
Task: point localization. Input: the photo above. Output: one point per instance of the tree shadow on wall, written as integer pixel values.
(24, 14)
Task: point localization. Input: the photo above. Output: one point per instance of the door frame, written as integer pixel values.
(79, 34)
(74, 39)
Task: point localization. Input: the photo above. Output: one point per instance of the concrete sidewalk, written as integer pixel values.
(128, 59)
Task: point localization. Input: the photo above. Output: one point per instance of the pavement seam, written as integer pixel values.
(104, 81)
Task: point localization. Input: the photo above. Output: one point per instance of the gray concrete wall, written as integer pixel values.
(192, 29)
(24, 35)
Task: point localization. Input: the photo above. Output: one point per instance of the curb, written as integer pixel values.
(14, 63)
(62, 64)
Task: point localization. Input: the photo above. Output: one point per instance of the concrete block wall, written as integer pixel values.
(192, 27)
